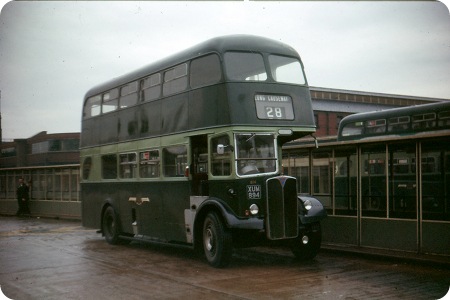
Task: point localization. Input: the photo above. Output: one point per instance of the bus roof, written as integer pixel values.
(221, 44)
(386, 121)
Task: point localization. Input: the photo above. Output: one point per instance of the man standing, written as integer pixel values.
(22, 198)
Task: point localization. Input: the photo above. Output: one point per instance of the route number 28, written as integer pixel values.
(274, 112)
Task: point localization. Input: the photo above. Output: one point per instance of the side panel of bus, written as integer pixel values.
(144, 208)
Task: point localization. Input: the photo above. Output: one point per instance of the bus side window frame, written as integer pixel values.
(177, 152)
(145, 162)
(109, 166)
(127, 166)
(221, 160)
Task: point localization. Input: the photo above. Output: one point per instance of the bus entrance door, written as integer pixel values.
(199, 166)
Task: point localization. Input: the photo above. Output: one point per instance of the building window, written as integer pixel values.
(55, 146)
(40, 147)
(8, 152)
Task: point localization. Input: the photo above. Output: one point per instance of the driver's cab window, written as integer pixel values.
(221, 153)
(255, 154)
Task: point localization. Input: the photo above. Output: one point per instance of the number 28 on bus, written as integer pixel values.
(187, 151)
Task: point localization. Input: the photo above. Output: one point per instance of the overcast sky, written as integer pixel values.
(51, 53)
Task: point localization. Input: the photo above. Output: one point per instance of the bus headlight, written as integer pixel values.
(254, 209)
(308, 204)
(305, 239)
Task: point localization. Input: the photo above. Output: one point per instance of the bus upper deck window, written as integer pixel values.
(351, 129)
(205, 71)
(424, 121)
(286, 69)
(92, 107)
(128, 94)
(110, 101)
(175, 80)
(444, 118)
(243, 66)
(375, 126)
(398, 123)
(151, 87)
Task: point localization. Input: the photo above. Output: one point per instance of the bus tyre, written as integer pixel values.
(307, 249)
(110, 226)
(217, 242)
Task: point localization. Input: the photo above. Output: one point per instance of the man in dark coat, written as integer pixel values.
(22, 198)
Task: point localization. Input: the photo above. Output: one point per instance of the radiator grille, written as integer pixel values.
(282, 208)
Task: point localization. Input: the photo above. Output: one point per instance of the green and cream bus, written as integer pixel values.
(187, 151)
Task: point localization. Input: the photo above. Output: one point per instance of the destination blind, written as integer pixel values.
(269, 107)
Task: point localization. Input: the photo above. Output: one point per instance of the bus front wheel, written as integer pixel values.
(110, 226)
(307, 244)
(217, 242)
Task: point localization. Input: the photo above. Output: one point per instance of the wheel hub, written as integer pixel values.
(209, 239)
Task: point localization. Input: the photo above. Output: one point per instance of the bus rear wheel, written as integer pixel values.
(110, 226)
(217, 241)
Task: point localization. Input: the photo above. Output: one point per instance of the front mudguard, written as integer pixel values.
(315, 214)
(231, 220)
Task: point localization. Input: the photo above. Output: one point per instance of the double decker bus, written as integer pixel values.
(384, 180)
(187, 151)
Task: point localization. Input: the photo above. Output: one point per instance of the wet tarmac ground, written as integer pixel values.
(54, 259)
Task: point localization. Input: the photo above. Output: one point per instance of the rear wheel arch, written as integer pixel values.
(110, 225)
